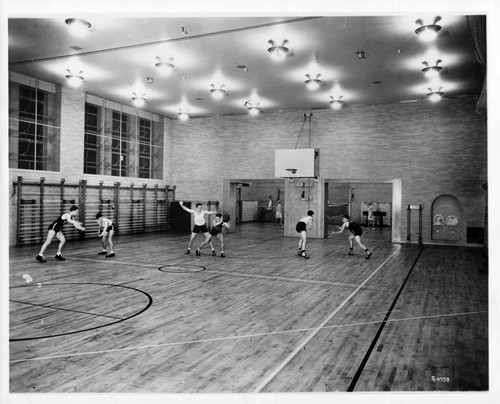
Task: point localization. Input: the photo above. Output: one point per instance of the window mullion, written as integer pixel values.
(36, 125)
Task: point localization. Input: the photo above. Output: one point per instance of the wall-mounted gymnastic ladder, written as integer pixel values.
(133, 209)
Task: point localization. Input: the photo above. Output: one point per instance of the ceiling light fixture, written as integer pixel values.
(336, 103)
(139, 101)
(252, 109)
(278, 52)
(428, 32)
(361, 54)
(313, 84)
(164, 68)
(432, 71)
(183, 115)
(78, 26)
(435, 96)
(74, 80)
(218, 93)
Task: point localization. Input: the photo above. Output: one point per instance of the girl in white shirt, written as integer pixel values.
(302, 226)
(200, 225)
(278, 216)
(106, 231)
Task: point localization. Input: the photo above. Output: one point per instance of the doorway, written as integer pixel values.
(352, 197)
(246, 199)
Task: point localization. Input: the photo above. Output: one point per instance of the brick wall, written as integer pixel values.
(433, 148)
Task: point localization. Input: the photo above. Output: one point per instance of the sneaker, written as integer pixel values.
(222, 255)
(305, 255)
(373, 228)
(102, 253)
(350, 252)
(110, 255)
(188, 251)
(367, 228)
(299, 253)
(198, 252)
(213, 253)
(368, 256)
(39, 258)
(60, 257)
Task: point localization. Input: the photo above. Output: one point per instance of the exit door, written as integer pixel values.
(446, 218)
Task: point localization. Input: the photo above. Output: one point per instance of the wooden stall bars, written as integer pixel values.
(132, 209)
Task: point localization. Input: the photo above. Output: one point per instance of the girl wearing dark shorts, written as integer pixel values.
(55, 229)
(108, 231)
(302, 226)
(356, 231)
(217, 225)
(200, 225)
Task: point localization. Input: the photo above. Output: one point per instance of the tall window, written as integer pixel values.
(119, 134)
(31, 134)
(144, 148)
(92, 140)
(121, 143)
(34, 128)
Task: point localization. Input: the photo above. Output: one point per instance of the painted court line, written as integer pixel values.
(319, 328)
(235, 337)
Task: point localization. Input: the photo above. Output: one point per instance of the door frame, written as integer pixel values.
(396, 201)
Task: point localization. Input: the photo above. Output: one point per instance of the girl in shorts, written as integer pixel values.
(55, 229)
(356, 231)
(302, 226)
(108, 230)
(200, 225)
(217, 226)
(278, 215)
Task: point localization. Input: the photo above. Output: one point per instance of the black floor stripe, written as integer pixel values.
(119, 320)
(380, 329)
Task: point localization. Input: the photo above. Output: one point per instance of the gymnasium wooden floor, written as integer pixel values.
(153, 320)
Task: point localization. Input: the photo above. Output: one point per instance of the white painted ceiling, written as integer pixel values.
(117, 55)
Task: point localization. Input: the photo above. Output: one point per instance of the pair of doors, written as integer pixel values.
(446, 218)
